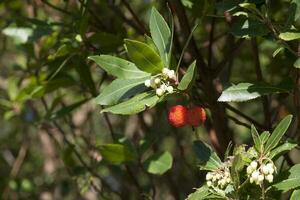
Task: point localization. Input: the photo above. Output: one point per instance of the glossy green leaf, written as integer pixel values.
(161, 35)
(118, 67)
(297, 63)
(237, 166)
(120, 89)
(248, 91)
(188, 78)
(292, 181)
(116, 153)
(208, 158)
(144, 57)
(256, 139)
(288, 36)
(283, 148)
(134, 105)
(278, 132)
(159, 163)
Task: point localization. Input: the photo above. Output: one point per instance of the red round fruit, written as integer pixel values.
(196, 116)
(178, 116)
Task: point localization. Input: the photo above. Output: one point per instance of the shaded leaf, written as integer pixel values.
(145, 58)
(248, 28)
(65, 110)
(256, 139)
(187, 80)
(278, 151)
(161, 35)
(118, 67)
(120, 89)
(278, 132)
(116, 153)
(208, 158)
(292, 181)
(248, 91)
(134, 105)
(159, 163)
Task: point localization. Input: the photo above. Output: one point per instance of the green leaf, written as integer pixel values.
(296, 5)
(200, 193)
(295, 195)
(145, 58)
(248, 91)
(278, 151)
(237, 166)
(120, 89)
(159, 163)
(161, 35)
(292, 181)
(208, 158)
(256, 139)
(248, 28)
(187, 80)
(277, 51)
(297, 63)
(118, 67)
(264, 137)
(278, 132)
(116, 153)
(288, 36)
(134, 105)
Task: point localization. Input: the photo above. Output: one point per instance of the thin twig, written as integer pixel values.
(56, 8)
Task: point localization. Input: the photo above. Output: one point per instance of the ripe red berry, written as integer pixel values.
(196, 116)
(178, 116)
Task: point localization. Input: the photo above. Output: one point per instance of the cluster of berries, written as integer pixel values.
(219, 178)
(180, 115)
(260, 173)
(162, 82)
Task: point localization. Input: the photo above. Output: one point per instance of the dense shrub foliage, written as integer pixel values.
(122, 99)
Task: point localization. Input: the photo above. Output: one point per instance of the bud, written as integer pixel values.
(228, 180)
(209, 183)
(226, 174)
(269, 178)
(163, 87)
(265, 169)
(157, 81)
(255, 175)
(148, 83)
(170, 89)
(260, 178)
(270, 167)
(153, 85)
(171, 74)
(249, 170)
(208, 176)
(218, 176)
(159, 92)
(253, 164)
(251, 180)
(165, 71)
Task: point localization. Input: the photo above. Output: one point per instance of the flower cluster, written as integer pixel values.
(162, 82)
(219, 178)
(260, 173)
